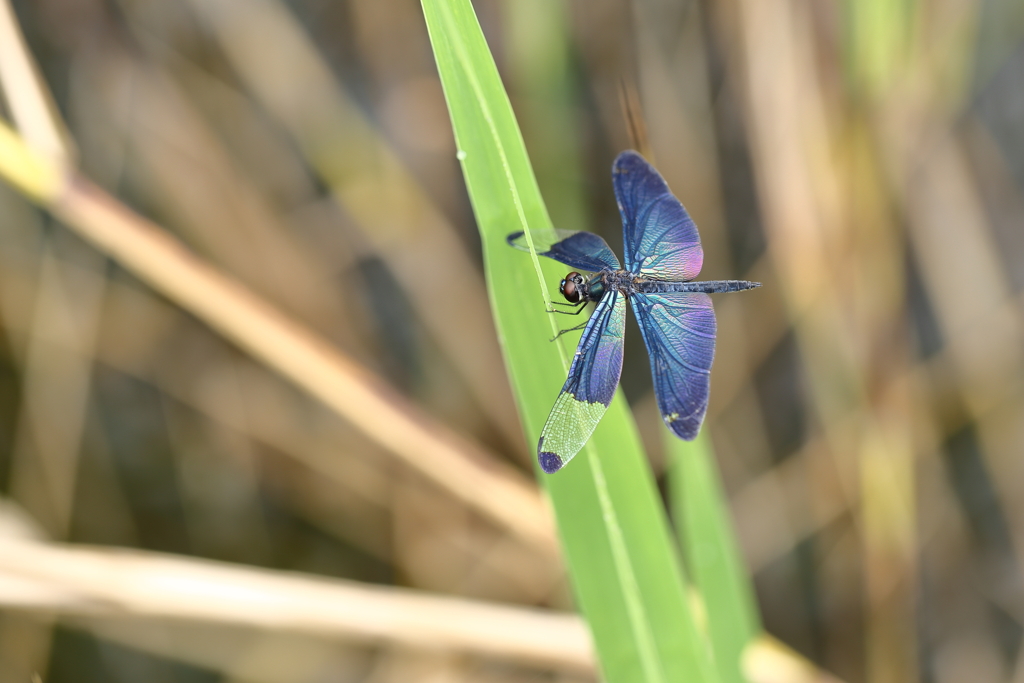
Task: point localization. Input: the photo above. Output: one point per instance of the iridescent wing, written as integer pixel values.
(583, 250)
(590, 386)
(679, 330)
(661, 240)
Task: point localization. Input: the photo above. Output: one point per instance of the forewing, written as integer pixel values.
(661, 240)
(583, 250)
(679, 330)
(592, 380)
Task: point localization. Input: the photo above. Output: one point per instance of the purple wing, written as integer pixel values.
(661, 240)
(589, 389)
(583, 250)
(679, 331)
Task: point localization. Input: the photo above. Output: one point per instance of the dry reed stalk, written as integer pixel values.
(56, 380)
(246, 654)
(56, 383)
(495, 490)
(346, 493)
(775, 512)
(187, 175)
(94, 582)
(397, 220)
(921, 125)
(31, 103)
(832, 242)
(767, 660)
(979, 317)
(116, 582)
(56, 370)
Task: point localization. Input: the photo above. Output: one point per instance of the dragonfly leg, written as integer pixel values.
(571, 329)
(578, 308)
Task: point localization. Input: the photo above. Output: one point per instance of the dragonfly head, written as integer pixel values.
(573, 287)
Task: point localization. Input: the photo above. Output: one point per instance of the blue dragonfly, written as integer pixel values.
(677, 321)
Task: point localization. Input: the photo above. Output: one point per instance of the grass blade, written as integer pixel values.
(712, 556)
(624, 565)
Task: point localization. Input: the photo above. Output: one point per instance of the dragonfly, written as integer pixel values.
(663, 255)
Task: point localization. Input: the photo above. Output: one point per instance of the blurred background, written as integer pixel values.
(863, 159)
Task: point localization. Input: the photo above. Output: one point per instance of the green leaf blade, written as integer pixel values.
(712, 555)
(623, 562)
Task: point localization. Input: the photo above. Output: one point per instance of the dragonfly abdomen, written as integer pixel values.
(708, 287)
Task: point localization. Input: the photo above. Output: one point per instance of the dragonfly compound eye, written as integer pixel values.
(571, 289)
